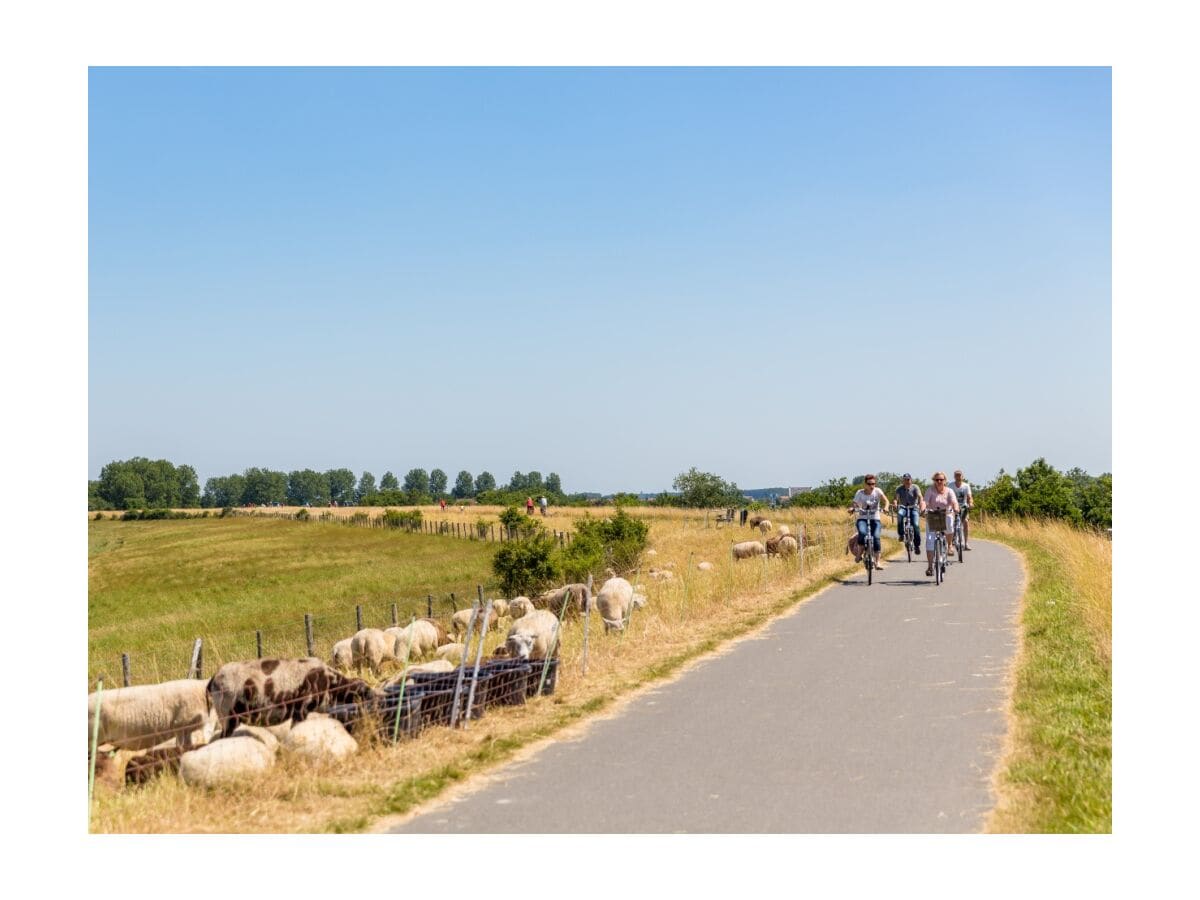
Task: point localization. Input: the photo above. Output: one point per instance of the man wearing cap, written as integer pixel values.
(909, 495)
(965, 502)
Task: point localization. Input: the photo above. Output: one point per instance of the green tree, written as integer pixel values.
(437, 483)
(389, 482)
(416, 482)
(95, 501)
(616, 542)
(121, 486)
(1095, 502)
(464, 485)
(485, 481)
(554, 484)
(533, 482)
(264, 487)
(528, 564)
(1044, 491)
(223, 491)
(517, 482)
(999, 496)
(189, 487)
(366, 486)
(704, 490)
(305, 487)
(341, 486)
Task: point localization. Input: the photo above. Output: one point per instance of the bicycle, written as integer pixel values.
(960, 539)
(910, 541)
(868, 555)
(935, 522)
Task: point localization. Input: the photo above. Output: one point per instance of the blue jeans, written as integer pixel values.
(862, 525)
(915, 515)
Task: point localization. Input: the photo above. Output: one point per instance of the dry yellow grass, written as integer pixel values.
(687, 615)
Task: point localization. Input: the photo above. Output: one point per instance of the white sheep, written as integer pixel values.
(704, 566)
(342, 654)
(371, 647)
(499, 608)
(533, 635)
(145, 715)
(615, 600)
(783, 529)
(319, 739)
(764, 526)
(519, 607)
(249, 751)
(425, 635)
(451, 652)
(461, 620)
(748, 549)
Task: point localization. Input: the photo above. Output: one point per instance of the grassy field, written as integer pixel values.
(1057, 772)
(162, 583)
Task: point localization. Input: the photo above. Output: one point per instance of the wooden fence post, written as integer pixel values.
(395, 615)
(358, 617)
(429, 605)
(126, 675)
(258, 642)
(308, 634)
(196, 670)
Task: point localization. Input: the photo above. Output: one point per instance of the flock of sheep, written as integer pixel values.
(784, 543)
(259, 708)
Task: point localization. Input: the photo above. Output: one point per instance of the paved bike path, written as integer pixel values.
(867, 709)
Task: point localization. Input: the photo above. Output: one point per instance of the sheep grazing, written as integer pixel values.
(652, 553)
(371, 648)
(424, 635)
(615, 601)
(342, 655)
(460, 621)
(452, 652)
(764, 526)
(783, 529)
(788, 545)
(532, 636)
(520, 606)
(574, 596)
(755, 521)
(140, 717)
(749, 549)
(704, 566)
(271, 691)
(499, 608)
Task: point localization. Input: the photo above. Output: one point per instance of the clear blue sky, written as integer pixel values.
(779, 275)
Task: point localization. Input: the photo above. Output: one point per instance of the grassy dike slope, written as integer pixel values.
(1057, 772)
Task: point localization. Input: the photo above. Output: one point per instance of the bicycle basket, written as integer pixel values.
(936, 520)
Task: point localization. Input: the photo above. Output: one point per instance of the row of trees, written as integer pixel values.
(1039, 489)
(140, 483)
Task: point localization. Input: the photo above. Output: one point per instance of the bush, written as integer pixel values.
(97, 517)
(302, 515)
(599, 544)
(481, 527)
(512, 517)
(409, 518)
(528, 565)
(226, 511)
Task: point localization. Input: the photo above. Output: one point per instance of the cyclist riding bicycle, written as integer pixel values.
(939, 498)
(962, 490)
(866, 510)
(909, 505)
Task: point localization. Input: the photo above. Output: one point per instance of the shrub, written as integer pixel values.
(302, 515)
(226, 511)
(512, 517)
(527, 565)
(97, 517)
(599, 544)
(481, 527)
(395, 518)
(359, 518)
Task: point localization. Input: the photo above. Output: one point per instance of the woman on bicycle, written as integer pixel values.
(939, 498)
(866, 510)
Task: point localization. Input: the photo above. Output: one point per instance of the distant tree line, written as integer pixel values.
(140, 483)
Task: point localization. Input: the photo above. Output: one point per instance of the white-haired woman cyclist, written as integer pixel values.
(939, 498)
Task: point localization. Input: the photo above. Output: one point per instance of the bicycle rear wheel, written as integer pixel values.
(938, 568)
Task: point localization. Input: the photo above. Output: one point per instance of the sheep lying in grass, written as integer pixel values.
(247, 752)
(451, 652)
(748, 549)
(140, 717)
(615, 601)
(533, 635)
(704, 566)
(319, 739)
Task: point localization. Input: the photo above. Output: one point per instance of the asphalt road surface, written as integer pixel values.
(868, 709)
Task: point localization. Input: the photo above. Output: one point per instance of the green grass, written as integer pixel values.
(1058, 775)
(153, 587)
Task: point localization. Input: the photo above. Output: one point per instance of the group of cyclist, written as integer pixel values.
(952, 499)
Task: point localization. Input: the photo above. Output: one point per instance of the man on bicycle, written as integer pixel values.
(866, 511)
(962, 490)
(911, 506)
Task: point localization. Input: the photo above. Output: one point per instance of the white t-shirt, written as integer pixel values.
(868, 504)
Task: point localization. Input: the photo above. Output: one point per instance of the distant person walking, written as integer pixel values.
(442, 503)
(529, 506)
(542, 503)
(745, 513)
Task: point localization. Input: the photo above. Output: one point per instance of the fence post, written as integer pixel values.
(554, 643)
(487, 616)
(429, 605)
(587, 617)
(126, 677)
(308, 635)
(492, 529)
(395, 615)
(403, 680)
(197, 668)
(95, 742)
(258, 642)
(462, 669)
(358, 617)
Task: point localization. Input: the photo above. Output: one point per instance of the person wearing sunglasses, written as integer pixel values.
(867, 520)
(939, 498)
(962, 490)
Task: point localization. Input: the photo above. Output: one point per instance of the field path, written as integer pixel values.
(867, 709)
